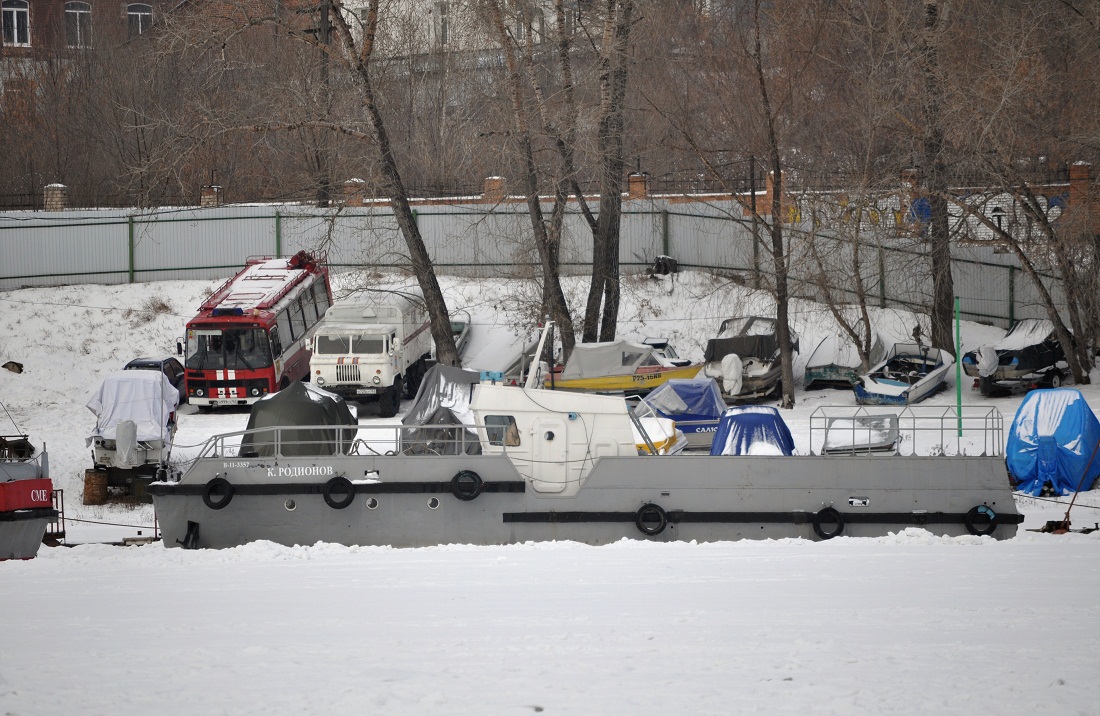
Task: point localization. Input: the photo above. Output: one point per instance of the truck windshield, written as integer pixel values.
(229, 349)
(335, 344)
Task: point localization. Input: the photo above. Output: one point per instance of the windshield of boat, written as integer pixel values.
(228, 349)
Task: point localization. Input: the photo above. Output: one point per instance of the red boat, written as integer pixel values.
(26, 498)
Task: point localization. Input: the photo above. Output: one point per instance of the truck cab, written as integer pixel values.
(367, 351)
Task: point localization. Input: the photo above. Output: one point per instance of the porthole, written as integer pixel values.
(433, 503)
(289, 505)
(372, 503)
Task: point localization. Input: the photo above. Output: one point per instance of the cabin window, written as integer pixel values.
(320, 291)
(502, 430)
(630, 358)
(333, 345)
(309, 306)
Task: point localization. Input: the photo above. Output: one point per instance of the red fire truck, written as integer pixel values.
(251, 337)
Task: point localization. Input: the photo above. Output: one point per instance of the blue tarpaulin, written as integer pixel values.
(1052, 441)
(752, 430)
(687, 399)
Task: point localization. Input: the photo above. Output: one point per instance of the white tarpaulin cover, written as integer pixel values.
(143, 396)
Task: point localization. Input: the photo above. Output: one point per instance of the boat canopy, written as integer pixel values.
(592, 360)
(146, 398)
(752, 430)
(1052, 441)
(443, 400)
(687, 399)
(299, 404)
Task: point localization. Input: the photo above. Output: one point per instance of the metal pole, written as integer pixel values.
(958, 370)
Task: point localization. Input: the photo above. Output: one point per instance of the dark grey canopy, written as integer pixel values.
(307, 406)
(442, 408)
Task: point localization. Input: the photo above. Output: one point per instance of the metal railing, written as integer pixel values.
(911, 430)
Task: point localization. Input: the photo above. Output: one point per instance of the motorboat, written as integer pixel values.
(617, 367)
(1029, 356)
(695, 404)
(135, 425)
(26, 498)
(745, 358)
(908, 374)
(560, 465)
(835, 362)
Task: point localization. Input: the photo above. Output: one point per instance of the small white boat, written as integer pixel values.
(835, 361)
(910, 373)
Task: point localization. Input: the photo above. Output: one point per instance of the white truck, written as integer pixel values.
(373, 349)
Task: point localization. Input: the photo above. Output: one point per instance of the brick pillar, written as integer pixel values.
(494, 190)
(637, 186)
(55, 197)
(355, 191)
(1080, 174)
(210, 196)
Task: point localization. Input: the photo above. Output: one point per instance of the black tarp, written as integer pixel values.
(304, 405)
(442, 408)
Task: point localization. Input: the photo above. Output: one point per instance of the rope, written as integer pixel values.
(112, 524)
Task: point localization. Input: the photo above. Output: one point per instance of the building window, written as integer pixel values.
(78, 24)
(17, 23)
(442, 23)
(140, 17)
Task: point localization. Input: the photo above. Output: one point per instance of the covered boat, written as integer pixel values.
(752, 430)
(1029, 356)
(26, 498)
(908, 374)
(744, 357)
(314, 422)
(617, 367)
(442, 408)
(460, 329)
(1053, 443)
(135, 424)
(835, 361)
(558, 465)
(695, 404)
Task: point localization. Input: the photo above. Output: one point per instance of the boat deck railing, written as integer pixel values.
(329, 440)
(930, 430)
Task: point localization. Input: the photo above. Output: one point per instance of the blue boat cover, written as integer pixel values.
(1052, 441)
(687, 399)
(752, 430)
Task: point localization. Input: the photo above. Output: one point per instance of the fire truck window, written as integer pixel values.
(333, 345)
(321, 292)
(276, 344)
(297, 320)
(309, 306)
(284, 328)
(367, 344)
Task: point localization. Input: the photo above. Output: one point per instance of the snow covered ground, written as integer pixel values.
(907, 624)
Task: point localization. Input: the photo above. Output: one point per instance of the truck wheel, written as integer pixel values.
(389, 401)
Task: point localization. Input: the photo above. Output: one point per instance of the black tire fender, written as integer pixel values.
(218, 493)
(981, 515)
(651, 519)
(828, 516)
(338, 485)
(466, 485)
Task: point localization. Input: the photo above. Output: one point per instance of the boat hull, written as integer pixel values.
(413, 501)
(21, 532)
(633, 383)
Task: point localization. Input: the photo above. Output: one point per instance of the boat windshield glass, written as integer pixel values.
(229, 349)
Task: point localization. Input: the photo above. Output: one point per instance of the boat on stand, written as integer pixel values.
(539, 465)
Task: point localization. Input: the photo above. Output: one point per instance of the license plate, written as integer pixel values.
(224, 402)
(366, 391)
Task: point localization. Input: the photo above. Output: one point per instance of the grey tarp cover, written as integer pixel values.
(443, 400)
(305, 405)
(593, 360)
